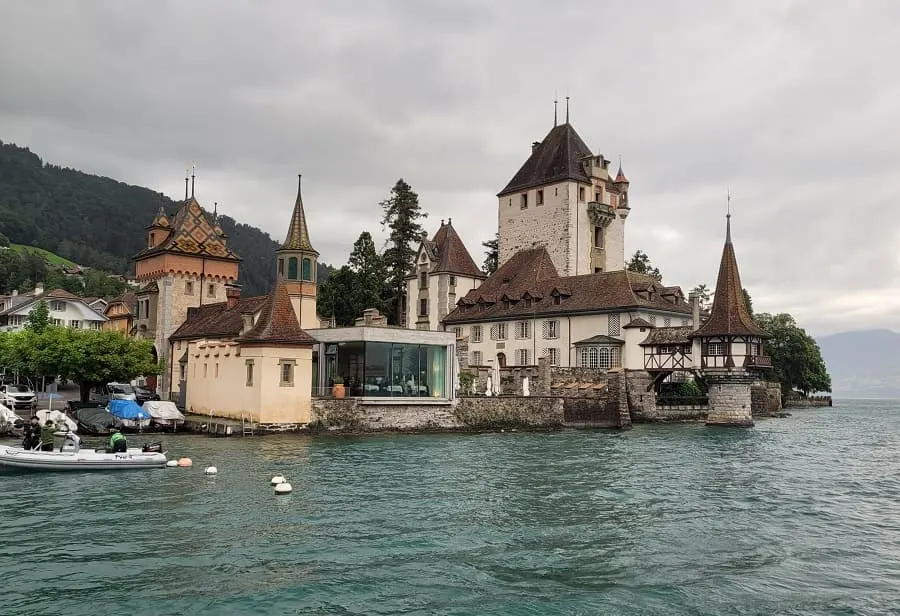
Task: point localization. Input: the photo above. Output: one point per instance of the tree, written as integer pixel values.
(402, 214)
(368, 268)
(640, 263)
(334, 294)
(748, 301)
(491, 255)
(796, 358)
(702, 291)
(39, 317)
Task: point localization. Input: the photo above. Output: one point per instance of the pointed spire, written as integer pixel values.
(298, 233)
(186, 184)
(620, 176)
(160, 220)
(193, 170)
(567, 110)
(728, 220)
(555, 104)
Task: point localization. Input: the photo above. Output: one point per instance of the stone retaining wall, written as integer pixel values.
(765, 399)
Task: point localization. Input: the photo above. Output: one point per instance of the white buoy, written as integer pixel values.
(210, 470)
(172, 463)
(277, 479)
(283, 488)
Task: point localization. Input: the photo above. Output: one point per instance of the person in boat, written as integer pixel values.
(117, 442)
(47, 431)
(32, 432)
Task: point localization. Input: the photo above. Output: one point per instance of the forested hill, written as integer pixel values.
(99, 222)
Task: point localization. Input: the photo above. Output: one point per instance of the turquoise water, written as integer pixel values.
(795, 516)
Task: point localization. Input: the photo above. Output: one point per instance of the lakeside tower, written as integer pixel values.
(296, 262)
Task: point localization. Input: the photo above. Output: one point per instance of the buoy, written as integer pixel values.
(210, 470)
(185, 462)
(277, 479)
(172, 463)
(283, 488)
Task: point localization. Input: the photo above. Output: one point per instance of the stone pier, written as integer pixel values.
(730, 401)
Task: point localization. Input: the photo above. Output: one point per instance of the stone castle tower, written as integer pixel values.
(565, 199)
(296, 265)
(730, 347)
(186, 263)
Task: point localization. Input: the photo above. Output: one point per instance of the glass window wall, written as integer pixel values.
(390, 369)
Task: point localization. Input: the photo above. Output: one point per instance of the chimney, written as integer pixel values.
(15, 292)
(246, 322)
(232, 294)
(695, 310)
(39, 289)
(534, 145)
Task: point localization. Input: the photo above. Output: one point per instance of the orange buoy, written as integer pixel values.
(185, 462)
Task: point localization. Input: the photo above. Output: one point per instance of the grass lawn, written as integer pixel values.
(49, 257)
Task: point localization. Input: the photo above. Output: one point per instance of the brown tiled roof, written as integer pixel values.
(150, 287)
(620, 176)
(668, 335)
(277, 322)
(532, 271)
(555, 159)
(638, 322)
(61, 294)
(192, 234)
(729, 315)
(127, 299)
(298, 233)
(450, 254)
(217, 320)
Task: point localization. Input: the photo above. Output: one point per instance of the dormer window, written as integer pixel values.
(557, 300)
(152, 240)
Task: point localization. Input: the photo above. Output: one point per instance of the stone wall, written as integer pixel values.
(812, 401)
(729, 401)
(581, 382)
(351, 415)
(765, 399)
(641, 398)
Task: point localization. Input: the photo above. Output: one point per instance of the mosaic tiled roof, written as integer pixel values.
(298, 233)
(729, 315)
(192, 234)
(161, 220)
(277, 322)
(555, 159)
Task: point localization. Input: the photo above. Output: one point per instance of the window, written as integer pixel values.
(57, 322)
(667, 322)
(188, 287)
(458, 332)
(307, 269)
(685, 322)
(75, 324)
(555, 191)
(211, 290)
(182, 371)
(423, 307)
(96, 325)
(557, 300)
(603, 358)
(522, 357)
(598, 237)
(652, 319)
(523, 202)
(550, 330)
(281, 267)
(152, 240)
(452, 280)
(581, 193)
(58, 306)
(205, 367)
(292, 268)
(598, 197)
(589, 357)
(539, 200)
(552, 356)
(523, 330)
(476, 333)
(249, 364)
(498, 331)
(716, 348)
(476, 358)
(217, 370)
(614, 325)
(287, 372)
(423, 280)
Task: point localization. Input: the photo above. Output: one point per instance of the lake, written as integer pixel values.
(795, 516)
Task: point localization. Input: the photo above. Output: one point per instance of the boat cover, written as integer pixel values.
(163, 409)
(94, 420)
(57, 417)
(7, 416)
(127, 409)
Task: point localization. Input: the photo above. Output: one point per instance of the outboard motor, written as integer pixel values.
(152, 447)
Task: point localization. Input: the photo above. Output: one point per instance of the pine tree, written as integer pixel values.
(368, 267)
(640, 263)
(491, 255)
(402, 214)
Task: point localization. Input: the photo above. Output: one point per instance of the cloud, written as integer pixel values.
(785, 104)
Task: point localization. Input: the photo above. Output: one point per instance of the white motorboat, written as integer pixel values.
(164, 414)
(67, 455)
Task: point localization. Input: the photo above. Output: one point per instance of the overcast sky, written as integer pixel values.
(792, 105)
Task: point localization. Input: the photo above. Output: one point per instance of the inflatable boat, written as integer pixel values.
(67, 455)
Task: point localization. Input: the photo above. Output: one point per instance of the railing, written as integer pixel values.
(759, 361)
(682, 401)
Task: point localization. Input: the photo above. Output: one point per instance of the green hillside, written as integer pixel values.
(99, 222)
(49, 257)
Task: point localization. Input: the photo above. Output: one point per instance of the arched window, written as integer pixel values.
(292, 268)
(604, 359)
(307, 269)
(152, 240)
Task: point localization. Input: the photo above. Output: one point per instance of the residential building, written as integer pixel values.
(121, 313)
(66, 310)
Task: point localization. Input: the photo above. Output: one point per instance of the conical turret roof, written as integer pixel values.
(277, 322)
(298, 233)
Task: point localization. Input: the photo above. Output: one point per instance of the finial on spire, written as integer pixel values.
(215, 211)
(555, 105)
(449, 221)
(442, 222)
(193, 171)
(186, 184)
(299, 179)
(567, 109)
(728, 220)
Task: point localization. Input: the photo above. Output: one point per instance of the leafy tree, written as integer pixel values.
(334, 294)
(39, 317)
(368, 267)
(402, 214)
(748, 301)
(641, 264)
(705, 295)
(491, 255)
(100, 284)
(4, 241)
(796, 358)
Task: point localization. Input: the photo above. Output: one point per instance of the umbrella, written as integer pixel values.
(489, 387)
(525, 391)
(496, 380)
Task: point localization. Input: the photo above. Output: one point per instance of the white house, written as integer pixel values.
(66, 310)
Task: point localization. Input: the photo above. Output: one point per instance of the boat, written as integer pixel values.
(58, 418)
(128, 414)
(67, 455)
(94, 421)
(164, 414)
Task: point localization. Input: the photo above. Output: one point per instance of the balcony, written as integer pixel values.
(600, 214)
(758, 361)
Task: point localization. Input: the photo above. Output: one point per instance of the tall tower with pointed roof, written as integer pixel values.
(564, 198)
(730, 346)
(187, 263)
(296, 265)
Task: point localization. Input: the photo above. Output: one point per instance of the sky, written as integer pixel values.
(791, 106)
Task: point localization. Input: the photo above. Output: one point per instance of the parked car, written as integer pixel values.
(143, 395)
(18, 397)
(120, 391)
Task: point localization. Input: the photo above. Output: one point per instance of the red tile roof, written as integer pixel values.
(217, 320)
(277, 323)
(446, 248)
